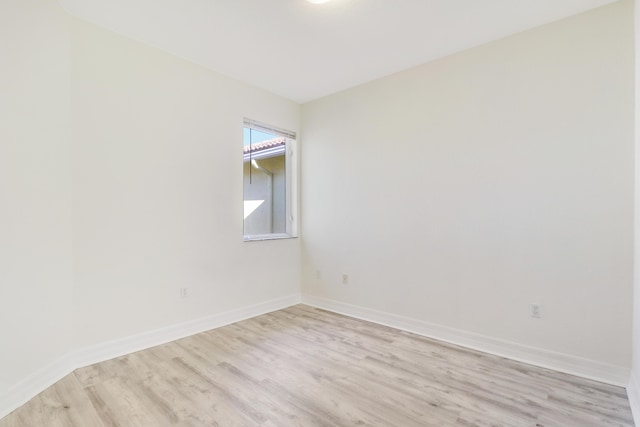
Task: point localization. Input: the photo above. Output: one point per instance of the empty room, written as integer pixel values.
(430, 222)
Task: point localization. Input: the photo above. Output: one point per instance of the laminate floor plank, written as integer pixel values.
(305, 367)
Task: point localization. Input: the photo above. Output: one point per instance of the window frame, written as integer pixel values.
(291, 182)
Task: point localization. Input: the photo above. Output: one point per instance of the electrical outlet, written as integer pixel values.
(185, 292)
(535, 310)
(345, 279)
(318, 275)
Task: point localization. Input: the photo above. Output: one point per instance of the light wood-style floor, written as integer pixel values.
(307, 367)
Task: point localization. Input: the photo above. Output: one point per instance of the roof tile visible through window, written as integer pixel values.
(264, 145)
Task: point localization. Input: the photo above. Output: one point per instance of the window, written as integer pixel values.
(269, 183)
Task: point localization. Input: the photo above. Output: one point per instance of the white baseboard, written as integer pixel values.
(109, 350)
(566, 363)
(29, 387)
(22, 392)
(633, 392)
(35, 383)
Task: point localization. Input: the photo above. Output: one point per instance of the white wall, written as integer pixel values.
(156, 204)
(158, 197)
(634, 383)
(35, 189)
(511, 165)
(463, 190)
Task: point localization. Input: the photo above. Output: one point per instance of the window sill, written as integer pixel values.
(261, 237)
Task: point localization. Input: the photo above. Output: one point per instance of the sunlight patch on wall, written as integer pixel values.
(250, 206)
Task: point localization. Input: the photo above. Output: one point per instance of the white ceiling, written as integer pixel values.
(304, 51)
